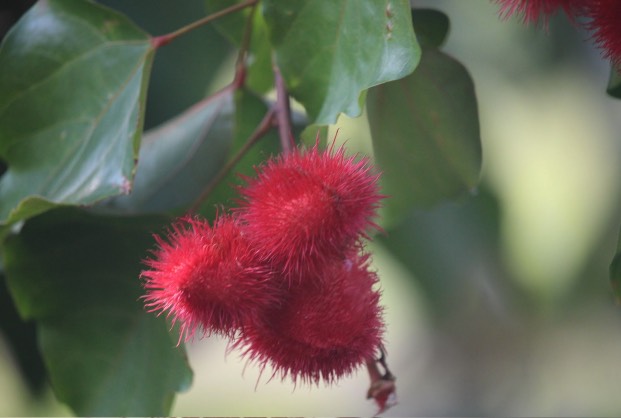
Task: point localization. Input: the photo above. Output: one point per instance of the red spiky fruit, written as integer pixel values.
(325, 330)
(532, 11)
(308, 207)
(207, 277)
(605, 22)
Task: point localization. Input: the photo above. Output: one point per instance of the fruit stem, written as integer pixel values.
(283, 111)
(161, 40)
(382, 388)
(242, 55)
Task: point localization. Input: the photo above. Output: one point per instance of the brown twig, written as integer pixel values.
(242, 55)
(264, 126)
(382, 389)
(283, 111)
(162, 40)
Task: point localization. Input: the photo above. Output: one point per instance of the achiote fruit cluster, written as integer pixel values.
(284, 275)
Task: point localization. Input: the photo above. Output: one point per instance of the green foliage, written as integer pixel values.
(233, 26)
(21, 337)
(448, 248)
(104, 353)
(187, 69)
(178, 158)
(331, 52)
(425, 127)
(432, 27)
(72, 86)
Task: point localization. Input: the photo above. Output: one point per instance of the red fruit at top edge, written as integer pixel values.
(605, 22)
(325, 330)
(207, 278)
(308, 207)
(534, 10)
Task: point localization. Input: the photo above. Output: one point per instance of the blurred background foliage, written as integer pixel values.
(498, 302)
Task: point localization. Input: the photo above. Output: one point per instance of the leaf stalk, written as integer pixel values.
(162, 40)
(283, 112)
(266, 124)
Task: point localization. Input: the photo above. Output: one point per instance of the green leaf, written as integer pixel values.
(260, 77)
(330, 52)
(73, 78)
(431, 27)
(425, 131)
(20, 337)
(614, 83)
(453, 253)
(76, 275)
(184, 70)
(178, 159)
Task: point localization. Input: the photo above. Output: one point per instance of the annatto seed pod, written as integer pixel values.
(207, 278)
(604, 17)
(533, 11)
(308, 207)
(325, 330)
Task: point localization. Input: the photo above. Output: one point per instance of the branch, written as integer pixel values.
(382, 389)
(242, 55)
(165, 39)
(266, 123)
(283, 112)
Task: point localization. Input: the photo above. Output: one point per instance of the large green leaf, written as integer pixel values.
(259, 77)
(453, 252)
(178, 159)
(425, 131)
(77, 276)
(73, 78)
(330, 51)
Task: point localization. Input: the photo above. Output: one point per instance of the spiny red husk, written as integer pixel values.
(605, 22)
(325, 330)
(308, 207)
(284, 279)
(603, 17)
(534, 10)
(207, 278)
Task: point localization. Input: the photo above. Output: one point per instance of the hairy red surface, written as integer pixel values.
(536, 10)
(308, 207)
(605, 22)
(207, 278)
(326, 329)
